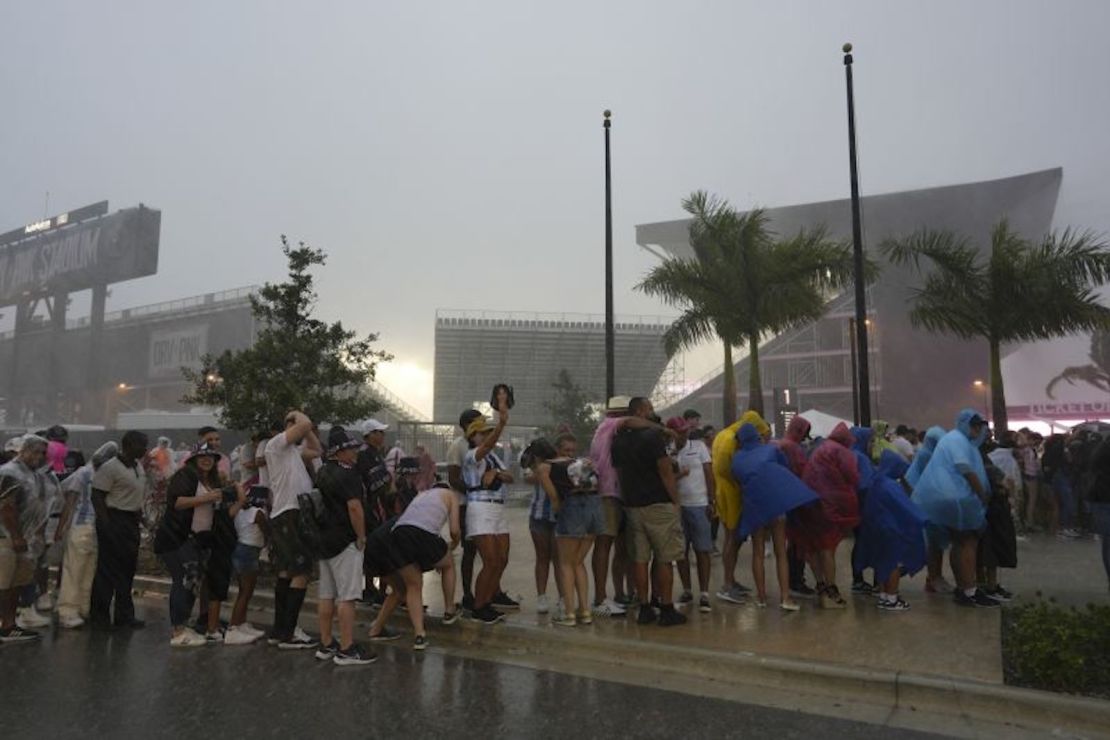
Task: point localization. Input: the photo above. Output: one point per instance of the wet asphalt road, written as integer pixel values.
(124, 685)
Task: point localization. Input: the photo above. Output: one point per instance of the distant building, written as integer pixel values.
(917, 377)
(474, 350)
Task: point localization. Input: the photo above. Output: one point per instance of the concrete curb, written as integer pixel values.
(978, 702)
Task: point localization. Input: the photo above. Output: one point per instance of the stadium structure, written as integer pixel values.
(917, 377)
(95, 369)
(475, 350)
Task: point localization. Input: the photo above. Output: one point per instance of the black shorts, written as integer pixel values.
(376, 560)
(415, 546)
(289, 552)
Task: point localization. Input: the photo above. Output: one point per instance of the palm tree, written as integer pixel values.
(743, 284)
(1017, 291)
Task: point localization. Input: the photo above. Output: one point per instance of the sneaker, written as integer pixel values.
(327, 652)
(486, 615)
(962, 599)
(564, 620)
(732, 595)
(250, 629)
(468, 603)
(647, 615)
(802, 591)
(188, 638)
(669, 617)
(420, 642)
(761, 603)
(354, 655)
(450, 617)
(609, 608)
(71, 622)
(45, 602)
(297, 643)
(998, 593)
(862, 588)
(239, 636)
(686, 598)
(213, 638)
(502, 603)
(742, 588)
(387, 633)
(830, 598)
(703, 604)
(939, 586)
(897, 605)
(983, 601)
(543, 606)
(18, 634)
(789, 606)
(29, 618)
(584, 616)
(623, 600)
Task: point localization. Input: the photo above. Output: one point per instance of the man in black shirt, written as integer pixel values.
(650, 496)
(342, 541)
(375, 480)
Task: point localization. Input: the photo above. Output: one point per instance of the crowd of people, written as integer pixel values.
(641, 500)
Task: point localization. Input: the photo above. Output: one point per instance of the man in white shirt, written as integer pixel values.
(286, 464)
(902, 442)
(696, 495)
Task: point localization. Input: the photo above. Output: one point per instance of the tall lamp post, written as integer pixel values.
(864, 379)
(986, 399)
(610, 333)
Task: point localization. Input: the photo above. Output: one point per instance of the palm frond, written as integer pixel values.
(689, 330)
(943, 249)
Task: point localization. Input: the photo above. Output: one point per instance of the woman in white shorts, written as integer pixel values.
(484, 476)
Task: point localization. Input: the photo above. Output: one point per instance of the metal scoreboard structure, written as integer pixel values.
(41, 263)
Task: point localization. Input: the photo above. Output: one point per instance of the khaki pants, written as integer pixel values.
(78, 569)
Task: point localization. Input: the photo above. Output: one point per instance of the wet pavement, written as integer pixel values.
(124, 685)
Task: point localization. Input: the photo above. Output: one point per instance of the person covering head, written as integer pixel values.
(478, 426)
(943, 492)
(770, 489)
(797, 431)
(921, 459)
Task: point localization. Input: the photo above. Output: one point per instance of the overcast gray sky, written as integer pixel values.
(448, 154)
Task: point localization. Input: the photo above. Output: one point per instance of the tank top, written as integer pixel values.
(427, 511)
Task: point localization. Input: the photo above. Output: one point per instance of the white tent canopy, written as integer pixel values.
(821, 423)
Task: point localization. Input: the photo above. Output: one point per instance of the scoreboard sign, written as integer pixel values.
(106, 250)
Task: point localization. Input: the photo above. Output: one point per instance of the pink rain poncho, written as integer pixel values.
(833, 473)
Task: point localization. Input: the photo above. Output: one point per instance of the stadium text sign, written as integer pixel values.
(170, 350)
(108, 250)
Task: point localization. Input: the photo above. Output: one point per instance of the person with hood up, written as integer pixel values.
(924, 454)
(952, 492)
(863, 448)
(833, 473)
(797, 432)
(729, 501)
(890, 537)
(879, 442)
(770, 491)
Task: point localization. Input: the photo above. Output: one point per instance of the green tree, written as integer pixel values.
(571, 406)
(745, 283)
(296, 361)
(1013, 291)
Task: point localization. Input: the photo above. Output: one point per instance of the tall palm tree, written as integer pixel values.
(743, 284)
(1016, 291)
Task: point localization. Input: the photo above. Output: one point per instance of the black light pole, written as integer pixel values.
(855, 370)
(864, 380)
(610, 336)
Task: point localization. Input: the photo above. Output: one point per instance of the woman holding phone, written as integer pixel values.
(484, 477)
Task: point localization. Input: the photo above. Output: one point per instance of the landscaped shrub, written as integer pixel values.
(1045, 646)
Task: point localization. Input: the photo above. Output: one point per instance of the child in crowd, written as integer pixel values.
(251, 528)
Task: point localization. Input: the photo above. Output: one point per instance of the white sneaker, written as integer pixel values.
(250, 629)
(71, 622)
(300, 634)
(239, 636)
(609, 608)
(188, 638)
(29, 618)
(542, 604)
(44, 603)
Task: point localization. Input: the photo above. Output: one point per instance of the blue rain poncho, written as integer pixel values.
(863, 446)
(921, 459)
(891, 531)
(770, 488)
(942, 492)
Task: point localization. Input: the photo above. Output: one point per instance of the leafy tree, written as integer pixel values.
(1013, 291)
(296, 361)
(745, 283)
(571, 407)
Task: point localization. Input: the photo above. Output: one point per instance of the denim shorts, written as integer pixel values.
(245, 559)
(696, 528)
(580, 516)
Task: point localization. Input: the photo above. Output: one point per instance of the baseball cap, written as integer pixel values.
(373, 425)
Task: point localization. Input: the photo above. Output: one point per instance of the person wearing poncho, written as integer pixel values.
(891, 534)
(879, 442)
(770, 491)
(833, 473)
(797, 431)
(729, 500)
(863, 447)
(921, 459)
(951, 492)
